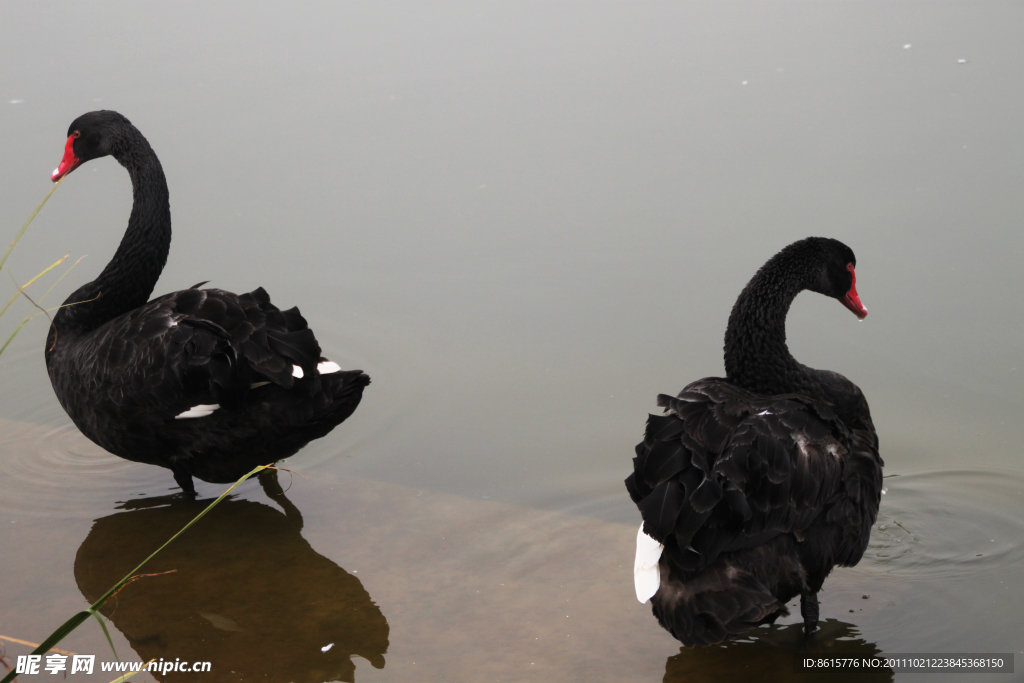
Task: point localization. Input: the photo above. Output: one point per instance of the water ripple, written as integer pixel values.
(949, 523)
(57, 472)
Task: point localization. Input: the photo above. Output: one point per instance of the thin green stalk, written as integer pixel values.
(42, 310)
(16, 331)
(62, 276)
(24, 286)
(107, 634)
(21, 291)
(21, 232)
(75, 621)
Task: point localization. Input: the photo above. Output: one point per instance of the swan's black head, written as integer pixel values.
(828, 267)
(91, 136)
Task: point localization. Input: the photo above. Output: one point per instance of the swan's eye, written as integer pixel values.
(76, 134)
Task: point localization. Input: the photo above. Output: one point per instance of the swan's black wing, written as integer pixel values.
(201, 381)
(725, 469)
(196, 346)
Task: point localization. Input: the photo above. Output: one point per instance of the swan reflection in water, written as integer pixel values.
(248, 593)
(768, 653)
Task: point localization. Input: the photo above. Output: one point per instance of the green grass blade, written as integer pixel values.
(110, 641)
(24, 286)
(62, 276)
(16, 331)
(22, 291)
(21, 232)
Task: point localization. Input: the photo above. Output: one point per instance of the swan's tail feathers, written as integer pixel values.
(359, 378)
(345, 382)
(646, 574)
(346, 388)
(737, 593)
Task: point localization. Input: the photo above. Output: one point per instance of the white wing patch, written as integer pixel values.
(297, 372)
(327, 367)
(201, 410)
(646, 573)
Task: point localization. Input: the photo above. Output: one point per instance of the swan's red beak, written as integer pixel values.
(69, 163)
(852, 299)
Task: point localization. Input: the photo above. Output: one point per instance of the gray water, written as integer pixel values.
(524, 221)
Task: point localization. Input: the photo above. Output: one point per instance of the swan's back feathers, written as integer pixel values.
(725, 469)
(242, 326)
(203, 341)
(142, 384)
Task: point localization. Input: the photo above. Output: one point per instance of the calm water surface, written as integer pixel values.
(524, 221)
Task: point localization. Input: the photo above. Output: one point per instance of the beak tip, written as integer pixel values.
(852, 302)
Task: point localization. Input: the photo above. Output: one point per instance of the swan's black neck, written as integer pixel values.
(756, 355)
(129, 278)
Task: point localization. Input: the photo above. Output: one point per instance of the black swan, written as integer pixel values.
(204, 382)
(754, 486)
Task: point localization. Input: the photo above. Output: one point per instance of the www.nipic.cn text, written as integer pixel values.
(85, 664)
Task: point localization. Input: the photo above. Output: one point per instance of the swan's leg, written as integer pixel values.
(184, 480)
(272, 487)
(809, 611)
